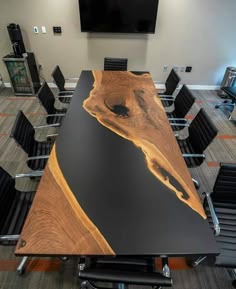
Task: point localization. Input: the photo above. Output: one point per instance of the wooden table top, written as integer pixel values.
(116, 182)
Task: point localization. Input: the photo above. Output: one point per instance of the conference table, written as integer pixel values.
(116, 182)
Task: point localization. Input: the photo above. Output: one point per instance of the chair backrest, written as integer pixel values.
(58, 78)
(202, 131)
(46, 98)
(7, 195)
(183, 101)
(23, 132)
(119, 64)
(172, 82)
(225, 185)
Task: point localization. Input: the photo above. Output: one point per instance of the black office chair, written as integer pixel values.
(59, 79)
(38, 152)
(220, 207)
(14, 207)
(119, 64)
(171, 84)
(182, 104)
(117, 272)
(201, 131)
(55, 116)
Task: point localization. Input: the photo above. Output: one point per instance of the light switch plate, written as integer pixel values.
(44, 29)
(36, 30)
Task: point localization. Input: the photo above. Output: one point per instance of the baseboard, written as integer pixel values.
(190, 86)
(157, 85)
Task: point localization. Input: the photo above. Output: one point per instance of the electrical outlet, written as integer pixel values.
(188, 69)
(40, 66)
(165, 68)
(176, 68)
(36, 30)
(44, 29)
(182, 68)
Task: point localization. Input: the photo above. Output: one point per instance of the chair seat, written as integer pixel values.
(186, 148)
(227, 237)
(41, 148)
(173, 115)
(17, 214)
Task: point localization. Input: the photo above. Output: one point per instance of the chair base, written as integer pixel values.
(21, 267)
(196, 183)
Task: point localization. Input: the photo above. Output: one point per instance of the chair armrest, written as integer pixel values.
(64, 96)
(194, 156)
(31, 174)
(165, 98)
(68, 91)
(9, 237)
(179, 124)
(178, 119)
(72, 78)
(38, 158)
(56, 114)
(139, 278)
(48, 125)
(52, 135)
(213, 214)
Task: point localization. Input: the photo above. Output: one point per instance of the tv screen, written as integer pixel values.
(121, 16)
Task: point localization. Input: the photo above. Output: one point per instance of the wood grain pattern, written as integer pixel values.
(56, 214)
(127, 104)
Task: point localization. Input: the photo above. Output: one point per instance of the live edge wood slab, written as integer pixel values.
(127, 104)
(61, 222)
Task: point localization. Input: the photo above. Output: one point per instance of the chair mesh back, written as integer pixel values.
(172, 82)
(46, 98)
(119, 64)
(7, 195)
(58, 78)
(183, 102)
(201, 131)
(23, 132)
(225, 184)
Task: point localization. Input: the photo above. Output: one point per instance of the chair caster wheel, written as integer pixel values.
(217, 106)
(234, 283)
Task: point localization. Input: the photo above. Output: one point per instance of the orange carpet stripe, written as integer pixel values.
(3, 134)
(34, 265)
(189, 116)
(226, 136)
(21, 98)
(35, 113)
(6, 114)
(198, 101)
(43, 265)
(213, 164)
(174, 264)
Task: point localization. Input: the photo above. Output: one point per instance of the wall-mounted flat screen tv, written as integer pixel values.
(120, 16)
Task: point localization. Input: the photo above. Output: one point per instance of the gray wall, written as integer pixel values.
(200, 33)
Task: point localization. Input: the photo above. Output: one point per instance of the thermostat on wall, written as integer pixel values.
(57, 29)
